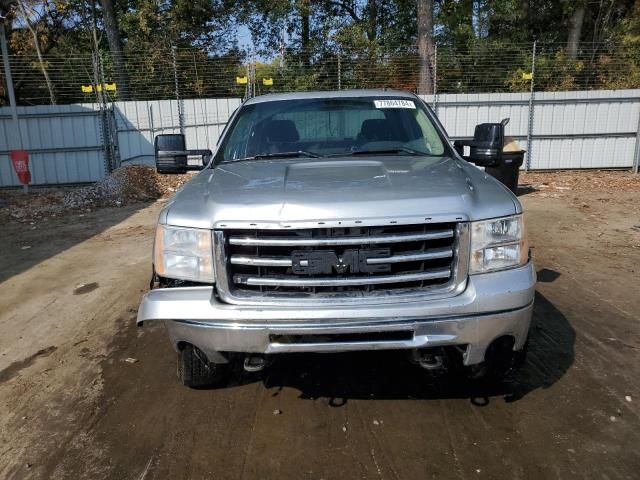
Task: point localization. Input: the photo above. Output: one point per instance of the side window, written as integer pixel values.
(236, 146)
(226, 126)
(431, 137)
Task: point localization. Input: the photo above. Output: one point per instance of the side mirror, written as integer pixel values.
(486, 147)
(171, 154)
(165, 147)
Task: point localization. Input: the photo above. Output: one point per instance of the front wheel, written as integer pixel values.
(195, 370)
(500, 361)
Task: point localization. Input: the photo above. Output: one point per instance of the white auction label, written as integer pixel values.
(392, 103)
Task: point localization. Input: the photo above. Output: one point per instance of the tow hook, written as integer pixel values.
(428, 359)
(254, 363)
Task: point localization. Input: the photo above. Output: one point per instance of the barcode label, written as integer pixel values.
(394, 103)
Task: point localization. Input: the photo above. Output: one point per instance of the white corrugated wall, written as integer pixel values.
(64, 144)
(65, 141)
(588, 129)
(139, 122)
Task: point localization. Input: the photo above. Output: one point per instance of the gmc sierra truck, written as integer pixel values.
(339, 221)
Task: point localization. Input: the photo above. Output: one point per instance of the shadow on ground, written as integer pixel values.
(25, 246)
(525, 189)
(388, 375)
(144, 403)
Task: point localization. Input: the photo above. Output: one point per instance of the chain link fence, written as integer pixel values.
(191, 73)
(563, 109)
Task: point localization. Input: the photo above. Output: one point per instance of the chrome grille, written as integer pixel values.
(352, 262)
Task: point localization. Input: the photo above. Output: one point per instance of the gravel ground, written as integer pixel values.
(563, 183)
(124, 186)
(73, 406)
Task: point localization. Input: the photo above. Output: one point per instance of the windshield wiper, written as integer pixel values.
(407, 150)
(297, 153)
(386, 151)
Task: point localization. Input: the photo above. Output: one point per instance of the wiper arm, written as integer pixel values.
(407, 150)
(297, 153)
(389, 151)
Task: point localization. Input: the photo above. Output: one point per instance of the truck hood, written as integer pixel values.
(341, 191)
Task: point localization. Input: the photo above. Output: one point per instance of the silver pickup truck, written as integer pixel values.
(332, 222)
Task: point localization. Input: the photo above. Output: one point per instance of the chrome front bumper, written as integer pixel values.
(492, 305)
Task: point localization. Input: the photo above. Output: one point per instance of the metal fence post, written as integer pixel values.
(531, 109)
(339, 70)
(435, 78)
(177, 89)
(636, 154)
(10, 91)
(104, 114)
(113, 135)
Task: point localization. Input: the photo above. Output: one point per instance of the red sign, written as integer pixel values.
(20, 160)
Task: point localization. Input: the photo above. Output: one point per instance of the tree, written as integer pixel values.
(115, 47)
(426, 50)
(524, 13)
(456, 22)
(26, 16)
(303, 9)
(363, 43)
(576, 20)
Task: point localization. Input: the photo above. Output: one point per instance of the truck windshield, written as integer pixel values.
(331, 127)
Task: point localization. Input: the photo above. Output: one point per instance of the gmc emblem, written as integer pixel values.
(326, 262)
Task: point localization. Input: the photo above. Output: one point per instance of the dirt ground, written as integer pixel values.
(72, 406)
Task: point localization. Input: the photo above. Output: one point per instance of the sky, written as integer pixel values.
(244, 37)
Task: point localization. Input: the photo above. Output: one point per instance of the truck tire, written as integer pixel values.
(499, 366)
(196, 371)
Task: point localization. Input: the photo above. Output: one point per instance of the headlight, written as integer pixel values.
(498, 244)
(184, 254)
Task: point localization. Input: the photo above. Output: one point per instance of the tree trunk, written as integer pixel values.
(36, 44)
(372, 20)
(115, 47)
(575, 31)
(304, 11)
(425, 46)
(524, 12)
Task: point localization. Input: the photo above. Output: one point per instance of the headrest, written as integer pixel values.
(375, 129)
(280, 131)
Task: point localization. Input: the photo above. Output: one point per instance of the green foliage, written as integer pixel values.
(483, 46)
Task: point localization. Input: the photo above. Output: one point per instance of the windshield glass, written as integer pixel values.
(331, 127)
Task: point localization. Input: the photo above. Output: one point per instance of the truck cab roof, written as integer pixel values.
(377, 93)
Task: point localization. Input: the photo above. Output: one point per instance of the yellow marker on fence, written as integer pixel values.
(241, 80)
(267, 81)
(527, 76)
(109, 87)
